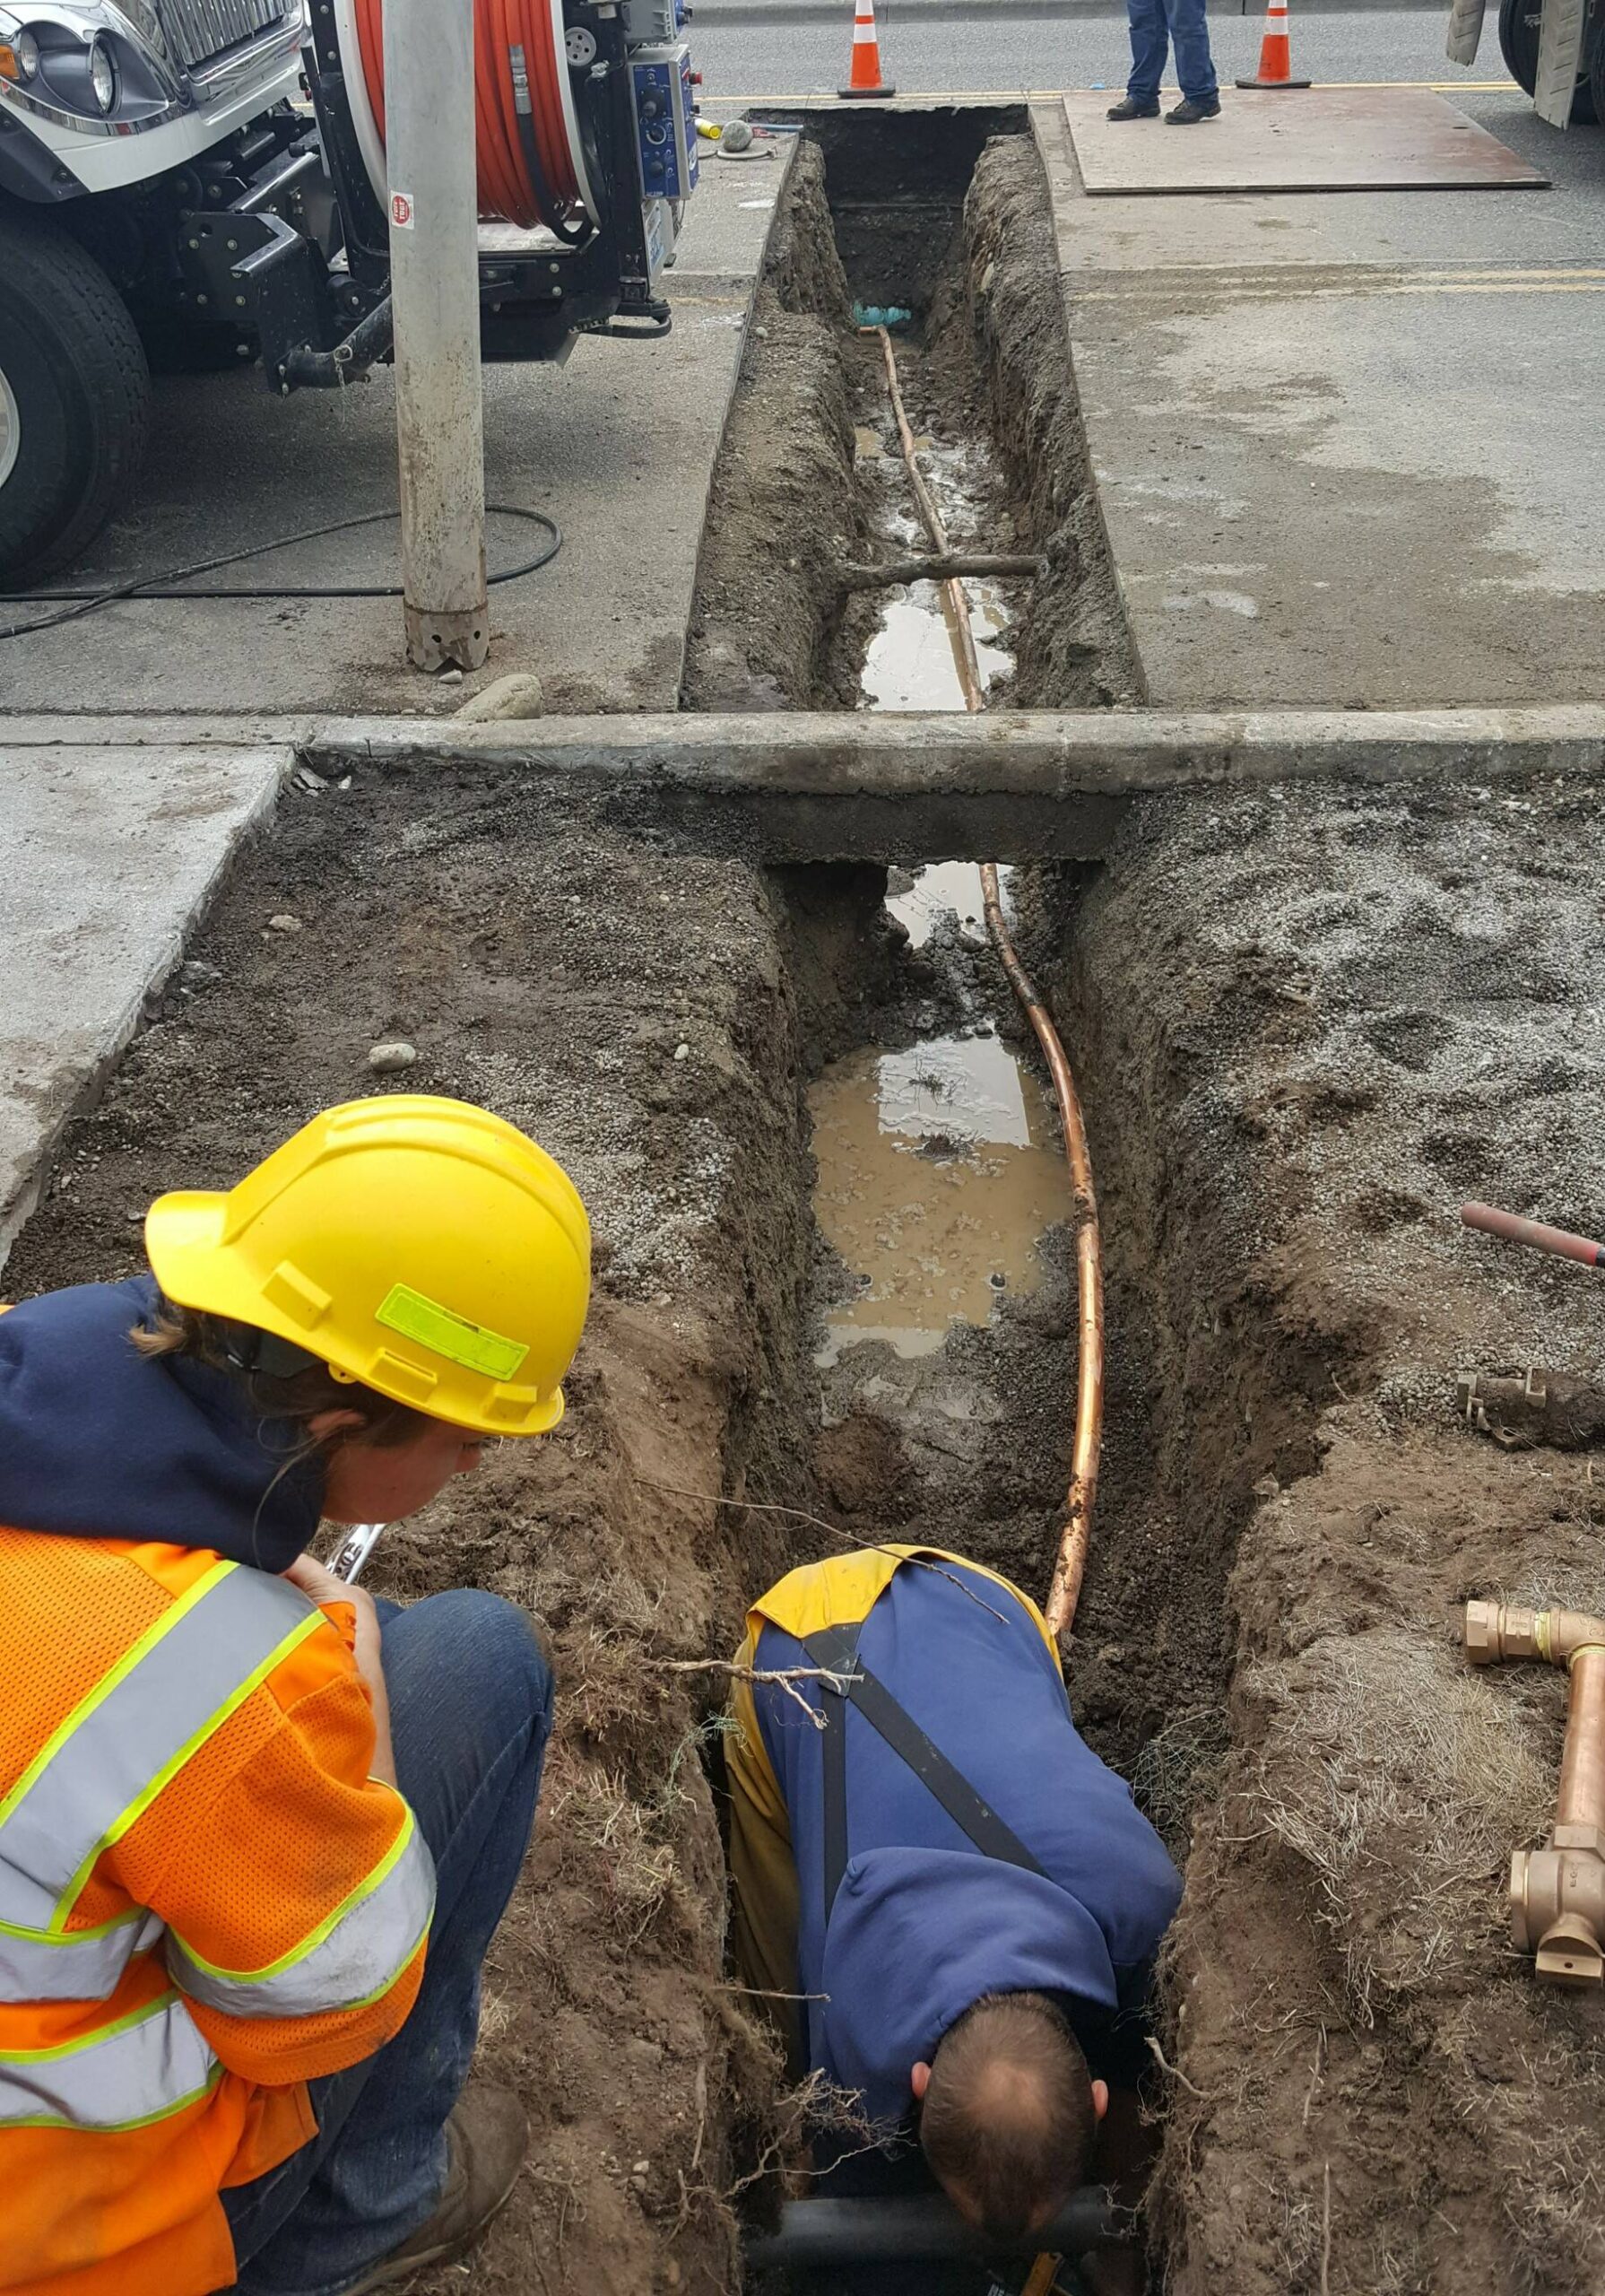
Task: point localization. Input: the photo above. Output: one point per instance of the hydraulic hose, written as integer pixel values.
(530, 167)
(1065, 1592)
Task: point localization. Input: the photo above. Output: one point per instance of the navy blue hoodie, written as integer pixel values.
(922, 1924)
(99, 1441)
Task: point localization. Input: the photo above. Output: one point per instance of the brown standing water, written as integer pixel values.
(939, 1171)
(940, 1167)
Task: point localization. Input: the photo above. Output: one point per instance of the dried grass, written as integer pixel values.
(1178, 1770)
(1400, 1781)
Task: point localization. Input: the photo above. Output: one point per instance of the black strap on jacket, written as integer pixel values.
(835, 1649)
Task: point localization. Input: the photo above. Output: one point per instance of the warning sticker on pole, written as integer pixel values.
(401, 211)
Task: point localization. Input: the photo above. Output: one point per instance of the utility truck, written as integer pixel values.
(202, 181)
(1554, 48)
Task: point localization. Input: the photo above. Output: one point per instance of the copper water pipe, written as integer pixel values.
(1557, 1892)
(1065, 1591)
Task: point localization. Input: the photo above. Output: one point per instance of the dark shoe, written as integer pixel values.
(486, 2137)
(1128, 108)
(1187, 114)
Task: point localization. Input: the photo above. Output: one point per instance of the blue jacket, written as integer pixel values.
(99, 1442)
(923, 1923)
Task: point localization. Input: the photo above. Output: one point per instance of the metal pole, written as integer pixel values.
(434, 293)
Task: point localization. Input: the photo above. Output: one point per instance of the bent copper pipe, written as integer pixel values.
(1070, 1565)
(1557, 1892)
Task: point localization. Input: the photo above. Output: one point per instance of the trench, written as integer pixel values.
(942, 1295)
(1283, 1507)
(941, 1301)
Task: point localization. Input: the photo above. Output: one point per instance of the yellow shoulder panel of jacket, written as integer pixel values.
(844, 1588)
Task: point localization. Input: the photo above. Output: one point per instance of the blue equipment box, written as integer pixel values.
(660, 81)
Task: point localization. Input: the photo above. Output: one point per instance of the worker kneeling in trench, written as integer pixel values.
(256, 1830)
(963, 1895)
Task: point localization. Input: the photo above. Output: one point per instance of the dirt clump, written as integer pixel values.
(629, 1007)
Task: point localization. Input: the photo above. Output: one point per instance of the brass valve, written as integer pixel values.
(1557, 1892)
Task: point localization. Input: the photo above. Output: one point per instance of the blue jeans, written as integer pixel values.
(470, 1712)
(1180, 24)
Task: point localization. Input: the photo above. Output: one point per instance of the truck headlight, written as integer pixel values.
(18, 57)
(102, 76)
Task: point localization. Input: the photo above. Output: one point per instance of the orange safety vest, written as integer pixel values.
(205, 1901)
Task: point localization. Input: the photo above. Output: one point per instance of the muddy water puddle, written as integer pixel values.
(939, 1172)
(940, 892)
(910, 664)
(940, 1169)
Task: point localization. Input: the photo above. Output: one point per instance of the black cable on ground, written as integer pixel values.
(162, 586)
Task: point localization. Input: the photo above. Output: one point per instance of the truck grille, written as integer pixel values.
(199, 30)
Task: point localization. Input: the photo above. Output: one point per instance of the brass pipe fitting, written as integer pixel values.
(1557, 1892)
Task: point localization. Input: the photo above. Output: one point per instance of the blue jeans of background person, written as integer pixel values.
(470, 1714)
(1180, 24)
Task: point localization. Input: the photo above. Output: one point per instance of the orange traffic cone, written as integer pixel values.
(865, 78)
(1276, 53)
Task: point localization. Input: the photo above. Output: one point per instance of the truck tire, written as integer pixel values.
(74, 398)
(1518, 44)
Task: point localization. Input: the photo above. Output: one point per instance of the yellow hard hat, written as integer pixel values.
(421, 1246)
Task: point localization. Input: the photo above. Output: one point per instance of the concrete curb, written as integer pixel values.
(838, 756)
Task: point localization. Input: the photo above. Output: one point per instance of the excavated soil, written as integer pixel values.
(630, 1009)
(1307, 1024)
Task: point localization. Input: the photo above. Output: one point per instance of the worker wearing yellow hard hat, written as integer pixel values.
(256, 1830)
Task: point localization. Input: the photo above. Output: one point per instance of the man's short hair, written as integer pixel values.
(1008, 2117)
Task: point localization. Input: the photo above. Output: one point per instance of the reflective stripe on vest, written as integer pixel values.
(349, 1961)
(85, 1967)
(127, 2075)
(107, 1761)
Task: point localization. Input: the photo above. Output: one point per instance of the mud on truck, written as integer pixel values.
(201, 182)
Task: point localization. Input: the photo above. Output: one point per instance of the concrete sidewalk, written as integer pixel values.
(618, 445)
(108, 858)
(1347, 444)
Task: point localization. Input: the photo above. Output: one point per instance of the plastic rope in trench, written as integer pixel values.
(530, 167)
(1065, 1592)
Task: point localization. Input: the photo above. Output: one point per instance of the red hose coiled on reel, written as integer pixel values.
(506, 187)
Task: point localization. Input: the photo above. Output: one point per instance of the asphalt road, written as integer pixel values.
(997, 50)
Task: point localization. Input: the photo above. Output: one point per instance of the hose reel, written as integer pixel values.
(531, 151)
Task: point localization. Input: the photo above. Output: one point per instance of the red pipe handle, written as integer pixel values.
(1517, 1230)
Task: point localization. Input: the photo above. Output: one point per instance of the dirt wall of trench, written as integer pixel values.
(1307, 1023)
(629, 1007)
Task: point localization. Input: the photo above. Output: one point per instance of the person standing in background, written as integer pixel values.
(1156, 27)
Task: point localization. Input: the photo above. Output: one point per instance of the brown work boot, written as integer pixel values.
(486, 2139)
